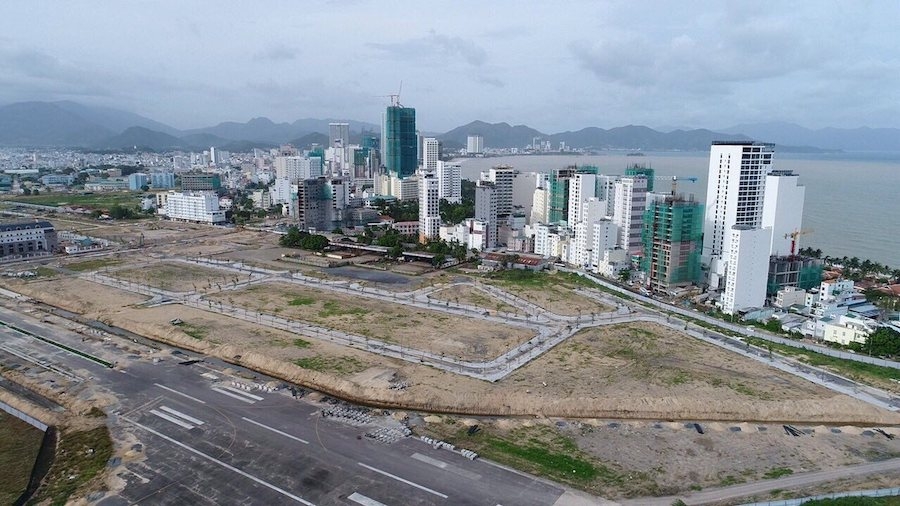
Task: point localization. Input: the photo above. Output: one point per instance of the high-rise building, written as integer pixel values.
(558, 198)
(486, 210)
(582, 186)
(503, 177)
(737, 179)
(449, 176)
(630, 201)
(475, 145)
(606, 190)
(201, 207)
(672, 236)
(200, 182)
(313, 203)
(429, 208)
(338, 135)
(298, 168)
(605, 238)
(783, 210)
(747, 268)
(431, 155)
(400, 141)
(637, 169)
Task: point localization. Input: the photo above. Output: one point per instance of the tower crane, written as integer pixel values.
(395, 97)
(675, 180)
(793, 237)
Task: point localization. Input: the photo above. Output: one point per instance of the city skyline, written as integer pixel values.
(615, 63)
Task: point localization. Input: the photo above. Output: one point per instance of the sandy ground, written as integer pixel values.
(663, 458)
(554, 298)
(180, 277)
(470, 295)
(395, 323)
(78, 295)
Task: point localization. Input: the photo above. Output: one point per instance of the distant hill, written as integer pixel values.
(848, 139)
(496, 135)
(143, 139)
(306, 141)
(265, 130)
(71, 124)
(47, 124)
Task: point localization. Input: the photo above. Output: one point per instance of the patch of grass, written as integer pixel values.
(300, 343)
(45, 272)
(96, 412)
(778, 472)
(749, 392)
(855, 370)
(92, 265)
(93, 200)
(729, 480)
(195, 331)
(336, 365)
(301, 301)
(331, 308)
(557, 465)
(678, 378)
(855, 501)
(19, 445)
(80, 456)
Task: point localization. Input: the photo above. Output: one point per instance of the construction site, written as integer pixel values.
(653, 404)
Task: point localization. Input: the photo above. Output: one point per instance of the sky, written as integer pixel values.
(554, 66)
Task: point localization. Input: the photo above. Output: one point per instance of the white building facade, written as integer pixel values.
(429, 209)
(748, 268)
(199, 207)
(783, 210)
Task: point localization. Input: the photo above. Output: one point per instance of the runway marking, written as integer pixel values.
(285, 434)
(223, 464)
(171, 419)
(179, 414)
(238, 397)
(428, 460)
(389, 475)
(179, 393)
(447, 467)
(365, 501)
(242, 392)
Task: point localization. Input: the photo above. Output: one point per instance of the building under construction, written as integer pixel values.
(673, 238)
(793, 270)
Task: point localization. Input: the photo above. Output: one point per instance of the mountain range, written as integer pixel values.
(70, 124)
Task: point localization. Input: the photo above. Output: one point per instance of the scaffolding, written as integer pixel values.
(672, 238)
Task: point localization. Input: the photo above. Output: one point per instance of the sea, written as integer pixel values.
(852, 205)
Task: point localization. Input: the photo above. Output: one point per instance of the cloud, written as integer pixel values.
(490, 81)
(276, 53)
(434, 47)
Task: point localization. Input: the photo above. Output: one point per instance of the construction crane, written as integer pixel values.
(675, 180)
(793, 237)
(395, 97)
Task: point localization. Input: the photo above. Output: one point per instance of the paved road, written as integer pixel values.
(207, 442)
(719, 495)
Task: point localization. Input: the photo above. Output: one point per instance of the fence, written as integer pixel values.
(881, 492)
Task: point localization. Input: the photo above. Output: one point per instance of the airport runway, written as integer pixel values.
(205, 441)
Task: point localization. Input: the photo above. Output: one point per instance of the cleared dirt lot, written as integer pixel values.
(382, 320)
(180, 277)
(472, 296)
(627, 459)
(551, 292)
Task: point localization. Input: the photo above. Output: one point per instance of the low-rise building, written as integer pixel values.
(849, 329)
(790, 296)
(27, 238)
(199, 207)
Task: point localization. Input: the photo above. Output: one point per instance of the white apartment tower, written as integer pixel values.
(783, 209)
(581, 188)
(605, 238)
(429, 208)
(502, 177)
(338, 135)
(297, 168)
(630, 201)
(200, 207)
(748, 268)
(486, 210)
(475, 145)
(431, 155)
(449, 181)
(734, 196)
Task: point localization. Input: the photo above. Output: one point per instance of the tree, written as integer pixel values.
(439, 260)
(145, 188)
(883, 342)
(625, 275)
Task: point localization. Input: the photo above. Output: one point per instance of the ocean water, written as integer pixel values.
(852, 199)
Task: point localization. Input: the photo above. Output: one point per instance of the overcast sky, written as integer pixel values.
(551, 65)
